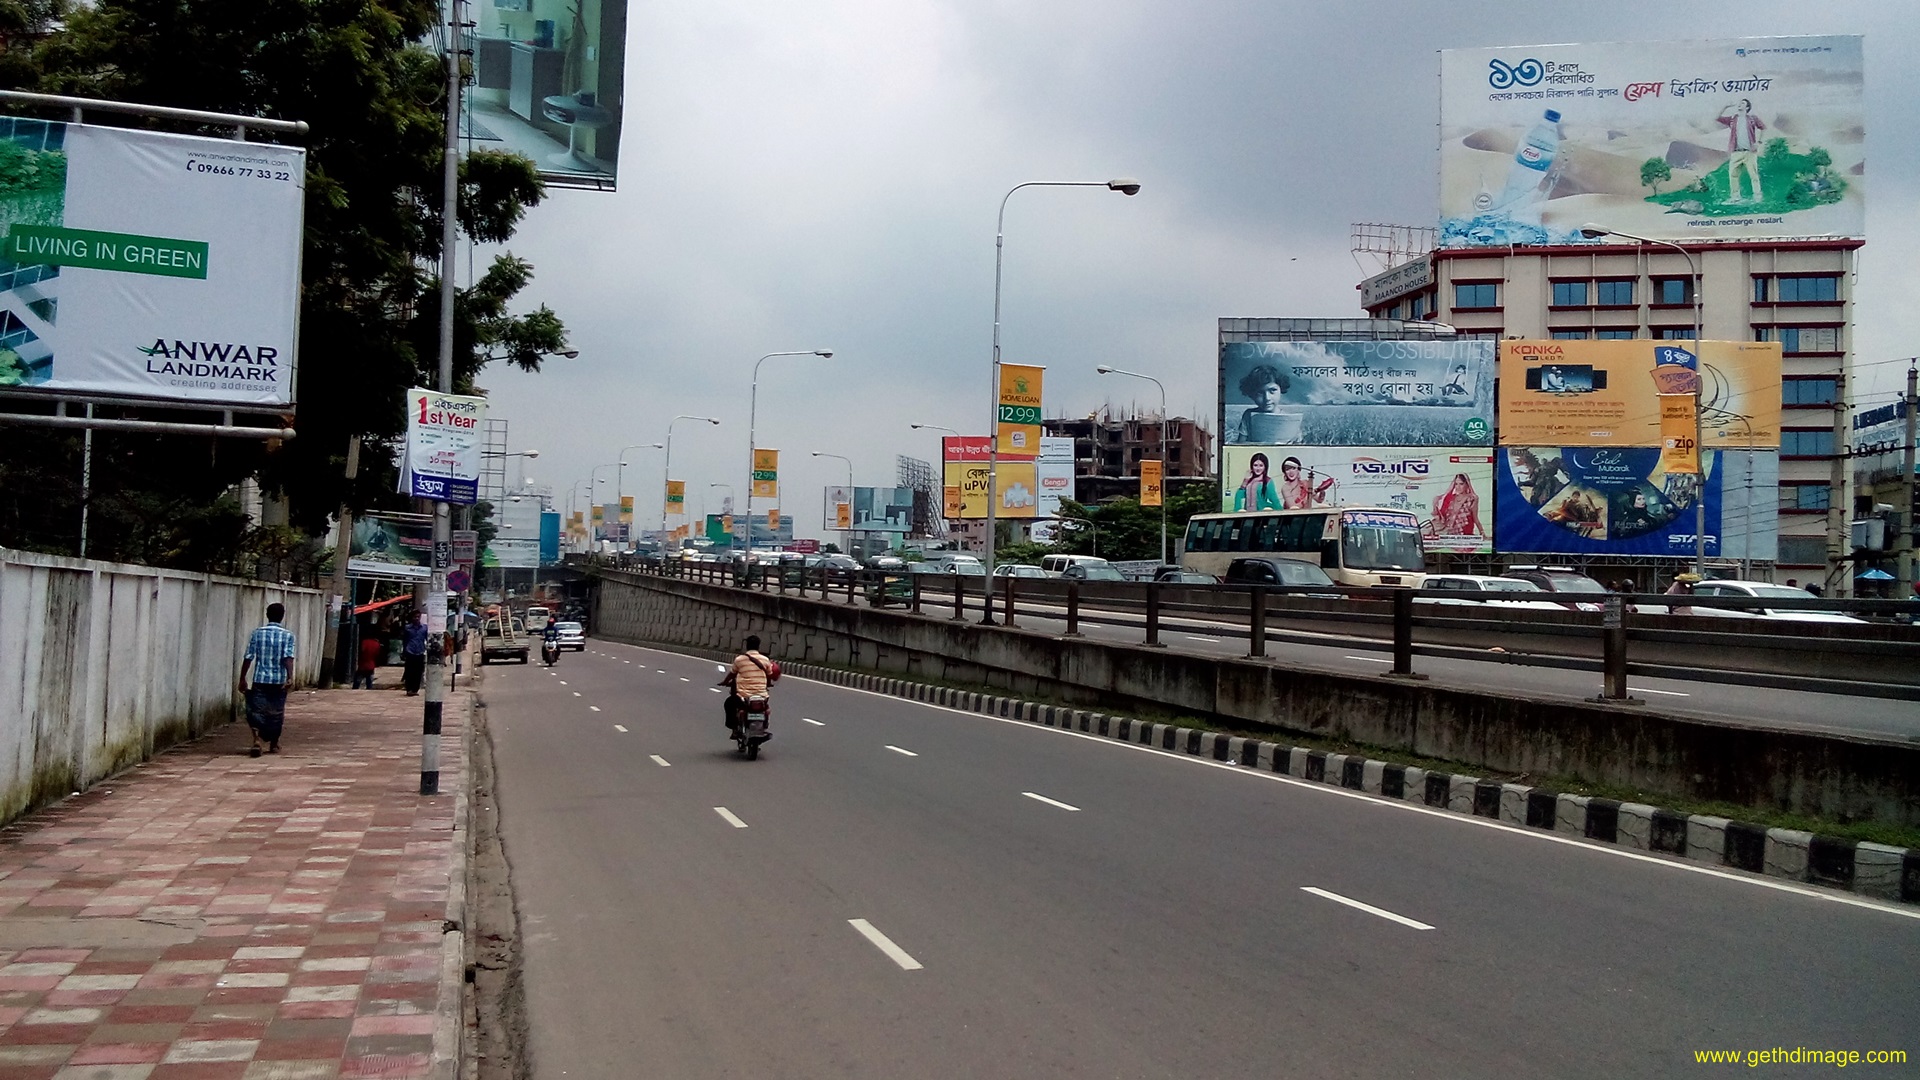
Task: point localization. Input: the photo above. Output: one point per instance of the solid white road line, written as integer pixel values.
(728, 816)
(1651, 690)
(811, 720)
(1372, 659)
(665, 764)
(897, 750)
(1203, 640)
(1368, 908)
(621, 728)
(1050, 802)
(885, 944)
(595, 708)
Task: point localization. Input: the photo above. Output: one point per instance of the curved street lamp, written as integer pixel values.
(753, 412)
(666, 468)
(1105, 370)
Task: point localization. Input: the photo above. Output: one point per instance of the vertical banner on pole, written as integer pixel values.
(1679, 449)
(1019, 423)
(766, 474)
(676, 496)
(626, 509)
(773, 521)
(1150, 483)
(950, 493)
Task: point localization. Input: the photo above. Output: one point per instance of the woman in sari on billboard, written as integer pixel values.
(1457, 512)
(1257, 491)
(1298, 492)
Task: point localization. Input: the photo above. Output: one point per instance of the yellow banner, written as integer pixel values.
(1019, 489)
(843, 515)
(766, 474)
(676, 496)
(773, 520)
(599, 515)
(626, 509)
(1019, 419)
(952, 494)
(1679, 450)
(1607, 393)
(1150, 483)
(726, 524)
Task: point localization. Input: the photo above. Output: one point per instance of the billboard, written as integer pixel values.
(837, 511)
(1053, 481)
(1357, 393)
(1731, 139)
(1451, 490)
(547, 83)
(392, 548)
(1018, 425)
(188, 292)
(1580, 500)
(441, 459)
(1607, 393)
(888, 510)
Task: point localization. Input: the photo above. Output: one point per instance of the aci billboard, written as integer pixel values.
(1357, 393)
(1734, 139)
(145, 264)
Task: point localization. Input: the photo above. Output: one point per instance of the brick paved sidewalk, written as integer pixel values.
(212, 915)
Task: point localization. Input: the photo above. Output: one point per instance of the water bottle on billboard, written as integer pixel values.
(1531, 164)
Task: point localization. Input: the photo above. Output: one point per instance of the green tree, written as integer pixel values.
(374, 99)
(1124, 530)
(1654, 172)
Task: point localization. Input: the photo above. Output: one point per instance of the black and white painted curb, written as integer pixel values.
(1868, 869)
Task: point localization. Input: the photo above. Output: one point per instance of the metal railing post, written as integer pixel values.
(959, 592)
(1613, 643)
(1073, 609)
(914, 580)
(853, 578)
(1006, 601)
(1257, 624)
(1153, 616)
(1403, 633)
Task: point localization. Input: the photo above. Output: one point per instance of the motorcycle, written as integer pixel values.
(550, 652)
(747, 719)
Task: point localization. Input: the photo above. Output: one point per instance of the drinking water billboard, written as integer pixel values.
(146, 264)
(1736, 139)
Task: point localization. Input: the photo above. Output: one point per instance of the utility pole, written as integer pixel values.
(1839, 507)
(436, 680)
(337, 589)
(1903, 545)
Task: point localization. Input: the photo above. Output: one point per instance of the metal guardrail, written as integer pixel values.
(1880, 658)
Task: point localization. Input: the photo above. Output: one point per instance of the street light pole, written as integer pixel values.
(1125, 186)
(620, 476)
(1594, 232)
(848, 535)
(666, 469)
(1104, 370)
(753, 412)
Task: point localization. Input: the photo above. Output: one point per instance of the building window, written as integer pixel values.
(1818, 443)
(1802, 339)
(1803, 551)
(1760, 290)
(1675, 333)
(1809, 288)
(1569, 335)
(1616, 293)
(1614, 335)
(1816, 391)
(1417, 306)
(1673, 290)
(1478, 335)
(1569, 294)
(1805, 496)
(1483, 294)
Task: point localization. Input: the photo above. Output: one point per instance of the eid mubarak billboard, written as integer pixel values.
(1730, 139)
(147, 264)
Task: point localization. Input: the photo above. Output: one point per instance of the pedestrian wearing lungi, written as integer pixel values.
(269, 658)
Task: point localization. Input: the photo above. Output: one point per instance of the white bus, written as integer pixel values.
(1356, 545)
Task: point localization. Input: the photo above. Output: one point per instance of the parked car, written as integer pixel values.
(1018, 570)
(839, 562)
(1762, 590)
(1098, 570)
(1056, 565)
(573, 636)
(1287, 572)
(1174, 575)
(950, 562)
(1562, 579)
(1485, 589)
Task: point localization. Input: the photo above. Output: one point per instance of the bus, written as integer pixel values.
(1356, 545)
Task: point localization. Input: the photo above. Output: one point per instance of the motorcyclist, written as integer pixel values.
(550, 640)
(751, 676)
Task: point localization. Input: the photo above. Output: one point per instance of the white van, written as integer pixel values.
(536, 619)
(952, 562)
(1055, 565)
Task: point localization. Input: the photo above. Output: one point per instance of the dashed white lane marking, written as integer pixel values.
(621, 728)
(595, 708)
(811, 720)
(563, 682)
(729, 817)
(714, 690)
(1651, 690)
(1368, 908)
(664, 763)
(1203, 640)
(897, 750)
(576, 693)
(1050, 802)
(885, 944)
(683, 678)
(1372, 659)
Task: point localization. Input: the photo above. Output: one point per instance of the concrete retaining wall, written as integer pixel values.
(102, 664)
(1827, 776)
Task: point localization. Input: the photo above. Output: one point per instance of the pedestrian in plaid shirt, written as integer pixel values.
(269, 656)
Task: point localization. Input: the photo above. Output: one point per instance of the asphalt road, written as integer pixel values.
(1034, 903)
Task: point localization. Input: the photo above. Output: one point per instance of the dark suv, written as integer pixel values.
(1275, 572)
(1564, 579)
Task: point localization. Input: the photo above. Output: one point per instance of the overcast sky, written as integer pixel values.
(826, 175)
